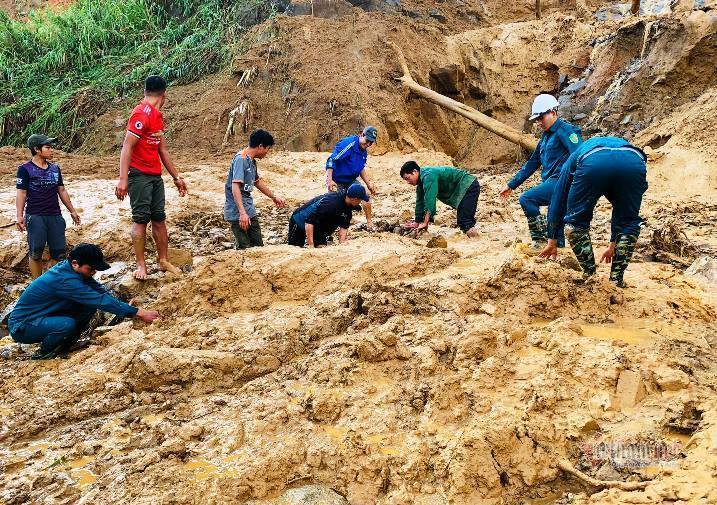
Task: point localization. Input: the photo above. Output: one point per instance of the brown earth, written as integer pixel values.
(385, 370)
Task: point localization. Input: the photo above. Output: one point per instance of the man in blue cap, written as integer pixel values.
(558, 141)
(348, 162)
(315, 221)
(57, 306)
(601, 166)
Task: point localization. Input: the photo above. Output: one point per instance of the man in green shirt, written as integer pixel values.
(452, 186)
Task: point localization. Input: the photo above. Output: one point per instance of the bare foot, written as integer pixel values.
(166, 266)
(141, 273)
(472, 232)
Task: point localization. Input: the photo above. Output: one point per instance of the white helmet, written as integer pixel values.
(543, 104)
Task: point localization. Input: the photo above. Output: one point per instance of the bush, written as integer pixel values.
(60, 69)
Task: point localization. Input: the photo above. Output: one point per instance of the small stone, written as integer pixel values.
(488, 308)
(579, 117)
(438, 241)
(626, 119)
(630, 389)
(617, 299)
(179, 257)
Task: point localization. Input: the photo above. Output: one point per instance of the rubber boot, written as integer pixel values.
(538, 231)
(624, 248)
(582, 246)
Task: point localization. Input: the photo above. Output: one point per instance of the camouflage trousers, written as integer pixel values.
(624, 247)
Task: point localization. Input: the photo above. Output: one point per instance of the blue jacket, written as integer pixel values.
(347, 161)
(59, 291)
(559, 202)
(554, 147)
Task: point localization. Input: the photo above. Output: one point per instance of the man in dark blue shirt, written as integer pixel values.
(315, 221)
(601, 166)
(347, 163)
(57, 306)
(558, 141)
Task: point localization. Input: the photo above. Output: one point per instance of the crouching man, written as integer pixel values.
(452, 186)
(315, 221)
(57, 307)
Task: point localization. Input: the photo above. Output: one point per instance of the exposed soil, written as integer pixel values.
(385, 371)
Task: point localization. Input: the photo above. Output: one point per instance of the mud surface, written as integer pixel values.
(385, 371)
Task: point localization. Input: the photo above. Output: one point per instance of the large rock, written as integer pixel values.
(305, 495)
(669, 379)
(630, 389)
(705, 269)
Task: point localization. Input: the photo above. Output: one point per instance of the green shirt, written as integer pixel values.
(447, 184)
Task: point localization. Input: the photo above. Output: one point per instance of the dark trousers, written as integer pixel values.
(539, 196)
(467, 208)
(249, 238)
(55, 330)
(297, 234)
(620, 176)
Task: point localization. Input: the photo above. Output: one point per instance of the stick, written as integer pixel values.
(493, 125)
(567, 467)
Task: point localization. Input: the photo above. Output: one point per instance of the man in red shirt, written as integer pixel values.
(144, 151)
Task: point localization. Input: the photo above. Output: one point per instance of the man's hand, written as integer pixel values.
(75, 218)
(505, 193)
(20, 223)
(181, 186)
(609, 253)
(279, 202)
(371, 188)
(148, 316)
(550, 251)
(244, 221)
(410, 225)
(420, 228)
(121, 189)
(332, 185)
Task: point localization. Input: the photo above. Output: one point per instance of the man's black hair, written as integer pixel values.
(261, 138)
(408, 167)
(154, 84)
(33, 151)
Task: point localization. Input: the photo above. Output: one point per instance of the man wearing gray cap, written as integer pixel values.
(348, 161)
(40, 188)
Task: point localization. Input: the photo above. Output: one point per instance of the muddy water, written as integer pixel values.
(631, 333)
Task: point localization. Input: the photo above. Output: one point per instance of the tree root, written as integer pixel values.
(567, 467)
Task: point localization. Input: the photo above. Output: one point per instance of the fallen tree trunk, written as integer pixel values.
(566, 466)
(493, 125)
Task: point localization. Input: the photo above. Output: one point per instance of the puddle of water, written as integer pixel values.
(336, 432)
(84, 478)
(680, 438)
(79, 462)
(631, 335)
(5, 412)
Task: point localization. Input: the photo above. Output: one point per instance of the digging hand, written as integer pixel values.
(280, 202)
(608, 254)
(148, 316)
(505, 193)
(550, 251)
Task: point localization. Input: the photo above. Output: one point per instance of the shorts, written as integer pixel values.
(146, 197)
(46, 230)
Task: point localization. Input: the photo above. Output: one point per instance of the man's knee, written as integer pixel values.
(528, 205)
(158, 217)
(138, 231)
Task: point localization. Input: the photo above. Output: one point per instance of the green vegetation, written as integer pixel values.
(60, 69)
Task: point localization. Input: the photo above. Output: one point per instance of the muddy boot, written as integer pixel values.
(538, 231)
(582, 246)
(623, 252)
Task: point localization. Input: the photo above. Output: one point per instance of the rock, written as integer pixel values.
(705, 269)
(579, 117)
(179, 257)
(331, 9)
(617, 299)
(607, 472)
(436, 14)
(305, 495)
(172, 446)
(669, 379)
(325, 407)
(488, 308)
(630, 389)
(437, 241)
(626, 119)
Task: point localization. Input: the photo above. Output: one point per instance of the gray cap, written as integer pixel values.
(38, 140)
(370, 133)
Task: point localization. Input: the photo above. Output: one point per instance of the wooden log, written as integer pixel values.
(493, 125)
(635, 7)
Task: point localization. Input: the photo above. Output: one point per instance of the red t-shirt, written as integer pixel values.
(146, 123)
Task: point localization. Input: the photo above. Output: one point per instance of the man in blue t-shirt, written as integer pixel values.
(347, 163)
(39, 189)
(316, 220)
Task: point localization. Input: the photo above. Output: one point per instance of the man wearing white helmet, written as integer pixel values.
(559, 140)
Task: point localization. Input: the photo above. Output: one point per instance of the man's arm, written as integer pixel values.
(20, 198)
(343, 235)
(65, 198)
(261, 186)
(128, 145)
(559, 201)
(169, 165)
(528, 169)
(76, 290)
(309, 231)
(430, 194)
(369, 184)
(330, 184)
(244, 219)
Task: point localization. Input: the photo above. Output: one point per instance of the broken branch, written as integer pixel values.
(567, 467)
(493, 125)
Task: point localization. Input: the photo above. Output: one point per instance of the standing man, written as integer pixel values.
(601, 166)
(452, 186)
(315, 221)
(39, 185)
(144, 151)
(57, 307)
(348, 161)
(558, 141)
(239, 207)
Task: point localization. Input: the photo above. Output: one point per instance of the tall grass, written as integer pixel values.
(60, 69)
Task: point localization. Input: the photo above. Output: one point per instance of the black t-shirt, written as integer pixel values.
(326, 212)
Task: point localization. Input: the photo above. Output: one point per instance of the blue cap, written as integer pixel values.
(357, 191)
(370, 133)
